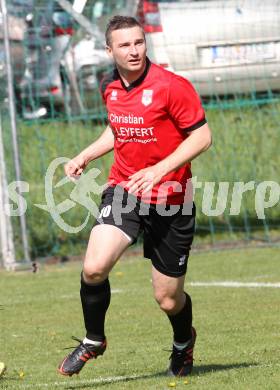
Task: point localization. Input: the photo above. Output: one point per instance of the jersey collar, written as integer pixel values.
(138, 81)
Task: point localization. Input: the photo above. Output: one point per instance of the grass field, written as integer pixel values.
(238, 327)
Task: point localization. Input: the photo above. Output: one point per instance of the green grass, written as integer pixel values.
(238, 328)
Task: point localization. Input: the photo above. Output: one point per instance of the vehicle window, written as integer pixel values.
(168, 1)
(19, 7)
(107, 7)
(62, 19)
(176, 1)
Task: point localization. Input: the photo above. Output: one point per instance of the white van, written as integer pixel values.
(222, 46)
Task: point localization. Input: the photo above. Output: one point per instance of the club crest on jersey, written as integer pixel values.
(114, 95)
(147, 97)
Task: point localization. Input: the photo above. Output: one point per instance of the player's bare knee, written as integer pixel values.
(170, 303)
(166, 303)
(94, 273)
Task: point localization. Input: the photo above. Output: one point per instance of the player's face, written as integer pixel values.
(128, 50)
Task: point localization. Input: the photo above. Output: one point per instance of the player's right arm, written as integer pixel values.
(103, 145)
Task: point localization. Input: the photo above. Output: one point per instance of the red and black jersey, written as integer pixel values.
(150, 118)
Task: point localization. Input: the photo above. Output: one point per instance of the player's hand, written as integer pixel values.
(75, 167)
(144, 180)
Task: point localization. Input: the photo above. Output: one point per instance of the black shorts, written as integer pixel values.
(168, 232)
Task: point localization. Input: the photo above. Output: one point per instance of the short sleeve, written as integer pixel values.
(184, 104)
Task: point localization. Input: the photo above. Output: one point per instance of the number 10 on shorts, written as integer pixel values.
(105, 212)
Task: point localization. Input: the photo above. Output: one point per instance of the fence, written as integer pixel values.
(56, 70)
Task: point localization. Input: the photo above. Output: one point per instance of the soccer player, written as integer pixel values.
(156, 127)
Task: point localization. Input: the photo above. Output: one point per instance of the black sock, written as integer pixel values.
(182, 322)
(95, 302)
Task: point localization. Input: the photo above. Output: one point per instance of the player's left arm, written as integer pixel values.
(197, 142)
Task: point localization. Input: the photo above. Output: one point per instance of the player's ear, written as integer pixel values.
(109, 51)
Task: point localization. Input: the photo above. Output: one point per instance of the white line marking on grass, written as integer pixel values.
(116, 291)
(32, 299)
(72, 382)
(236, 284)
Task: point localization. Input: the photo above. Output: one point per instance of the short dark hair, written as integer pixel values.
(119, 22)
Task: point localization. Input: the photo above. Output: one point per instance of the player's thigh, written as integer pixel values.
(168, 240)
(105, 246)
(167, 287)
